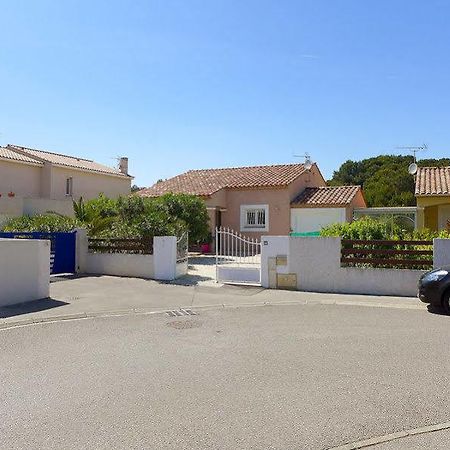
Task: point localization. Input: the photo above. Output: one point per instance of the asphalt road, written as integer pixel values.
(273, 377)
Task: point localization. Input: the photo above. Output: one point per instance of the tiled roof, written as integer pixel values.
(64, 160)
(433, 181)
(7, 153)
(326, 196)
(206, 182)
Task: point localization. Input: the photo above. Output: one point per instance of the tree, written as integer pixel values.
(385, 178)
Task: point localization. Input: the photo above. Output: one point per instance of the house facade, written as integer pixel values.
(36, 181)
(433, 198)
(258, 200)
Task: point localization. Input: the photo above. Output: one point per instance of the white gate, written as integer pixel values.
(238, 258)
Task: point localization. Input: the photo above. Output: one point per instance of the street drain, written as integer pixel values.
(184, 324)
(181, 312)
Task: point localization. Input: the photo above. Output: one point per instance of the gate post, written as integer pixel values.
(165, 257)
(81, 250)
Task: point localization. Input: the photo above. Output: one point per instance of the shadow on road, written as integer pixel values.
(30, 307)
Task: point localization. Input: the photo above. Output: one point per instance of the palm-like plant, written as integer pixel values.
(93, 221)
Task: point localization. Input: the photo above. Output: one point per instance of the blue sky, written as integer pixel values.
(176, 85)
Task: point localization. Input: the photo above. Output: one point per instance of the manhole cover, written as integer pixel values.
(184, 324)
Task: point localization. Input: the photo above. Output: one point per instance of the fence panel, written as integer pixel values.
(138, 246)
(387, 254)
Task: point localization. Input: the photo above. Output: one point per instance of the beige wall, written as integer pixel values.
(279, 209)
(88, 185)
(278, 200)
(22, 179)
(428, 211)
(313, 178)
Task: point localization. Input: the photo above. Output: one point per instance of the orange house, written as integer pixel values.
(263, 200)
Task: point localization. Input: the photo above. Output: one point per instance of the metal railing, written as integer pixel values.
(387, 254)
(183, 247)
(232, 247)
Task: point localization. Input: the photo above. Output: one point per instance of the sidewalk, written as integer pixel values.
(105, 295)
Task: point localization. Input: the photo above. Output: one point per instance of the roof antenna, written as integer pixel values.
(412, 168)
(308, 161)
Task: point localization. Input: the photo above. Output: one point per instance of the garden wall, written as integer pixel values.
(161, 265)
(124, 265)
(24, 270)
(314, 264)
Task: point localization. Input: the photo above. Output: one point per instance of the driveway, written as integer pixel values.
(303, 376)
(88, 296)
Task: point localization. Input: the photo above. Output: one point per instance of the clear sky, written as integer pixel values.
(178, 85)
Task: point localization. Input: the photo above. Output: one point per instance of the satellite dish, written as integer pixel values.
(412, 169)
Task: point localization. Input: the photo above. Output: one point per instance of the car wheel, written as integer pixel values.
(446, 302)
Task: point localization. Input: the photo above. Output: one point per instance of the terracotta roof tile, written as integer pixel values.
(326, 196)
(206, 182)
(433, 181)
(7, 153)
(67, 161)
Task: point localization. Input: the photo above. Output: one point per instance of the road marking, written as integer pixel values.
(392, 437)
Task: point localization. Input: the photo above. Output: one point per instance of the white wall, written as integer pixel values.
(24, 270)
(238, 274)
(118, 264)
(441, 252)
(305, 220)
(316, 262)
(162, 265)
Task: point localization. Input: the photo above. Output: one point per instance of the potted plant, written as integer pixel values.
(11, 194)
(205, 247)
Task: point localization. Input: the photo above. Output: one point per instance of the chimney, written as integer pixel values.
(123, 165)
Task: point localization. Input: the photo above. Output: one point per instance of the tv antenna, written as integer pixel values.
(308, 161)
(415, 150)
(412, 168)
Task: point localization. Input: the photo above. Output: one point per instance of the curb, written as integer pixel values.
(392, 437)
(144, 311)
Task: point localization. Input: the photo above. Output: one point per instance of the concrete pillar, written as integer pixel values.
(165, 257)
(81, 250)
(420, 218)
(441, 252)
(271, 247)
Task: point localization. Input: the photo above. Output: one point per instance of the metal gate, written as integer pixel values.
(238, 258)
(62, 248)
(183, 247)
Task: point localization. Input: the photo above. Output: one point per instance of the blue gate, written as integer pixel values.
(62, 248)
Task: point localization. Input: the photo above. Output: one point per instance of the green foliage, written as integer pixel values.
(365, 228)
(385, 179)
(188, 209)
(372, 229)
(48, 223)
(133, 216)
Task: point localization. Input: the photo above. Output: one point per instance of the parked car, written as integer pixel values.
(434, 288)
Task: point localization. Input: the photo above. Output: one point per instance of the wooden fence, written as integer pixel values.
(143, 246)
(387, 254)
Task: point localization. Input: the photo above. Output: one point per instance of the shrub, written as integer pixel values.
(48, 223)
(371, 229)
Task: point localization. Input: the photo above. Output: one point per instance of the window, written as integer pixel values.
(254, 217)
(69, 186)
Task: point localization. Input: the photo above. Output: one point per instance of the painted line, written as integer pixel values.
(142, 311)
(392, 437)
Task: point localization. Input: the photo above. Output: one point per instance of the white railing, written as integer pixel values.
(183, 247)
(234, 248)
(238, 258)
